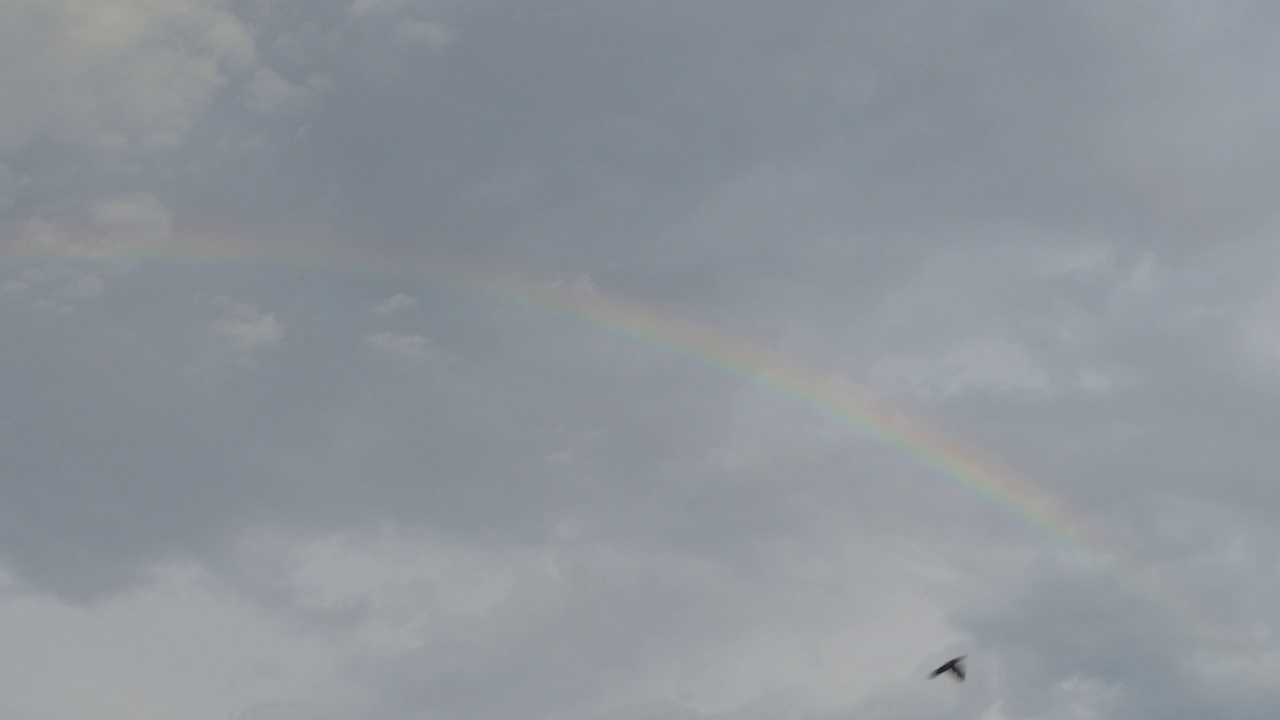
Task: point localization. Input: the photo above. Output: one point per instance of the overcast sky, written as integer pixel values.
(293, 483)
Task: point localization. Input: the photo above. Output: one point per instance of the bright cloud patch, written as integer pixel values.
(413, 350)
(244, 328)
(431, 36)
(396, 302)
(267, 91)
(117, 75)
(54, 288)
(131, 220)
(185, 646)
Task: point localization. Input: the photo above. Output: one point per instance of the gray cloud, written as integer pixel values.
(248, 481)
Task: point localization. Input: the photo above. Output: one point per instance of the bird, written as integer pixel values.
(955, 666)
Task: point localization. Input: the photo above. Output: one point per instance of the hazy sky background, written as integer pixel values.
(315, 488)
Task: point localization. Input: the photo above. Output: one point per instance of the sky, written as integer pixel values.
(374, 359)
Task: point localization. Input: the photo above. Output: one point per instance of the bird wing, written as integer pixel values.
(954, 665)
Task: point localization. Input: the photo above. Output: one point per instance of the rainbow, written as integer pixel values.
(830, 396)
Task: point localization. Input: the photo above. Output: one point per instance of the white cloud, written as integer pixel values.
(112, 225)
(53, 287)
(432, 36)
(244, 328)
(399, 301)
(366, 8)
(413, 350)
(267, 91)
(115, 75)
(131, 219)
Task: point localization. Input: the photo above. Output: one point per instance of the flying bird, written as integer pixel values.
(954, 666)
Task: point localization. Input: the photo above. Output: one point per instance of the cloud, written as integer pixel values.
(579, 287)
(1044, 230)
(264, 662)
(396, 302)
(412, 350)
(115, 223)
(244, 328)
(53, 288)
(121, 75)
(989, 364)
(131, 220)
(365, 8)
(267, 91)
(431, 36)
